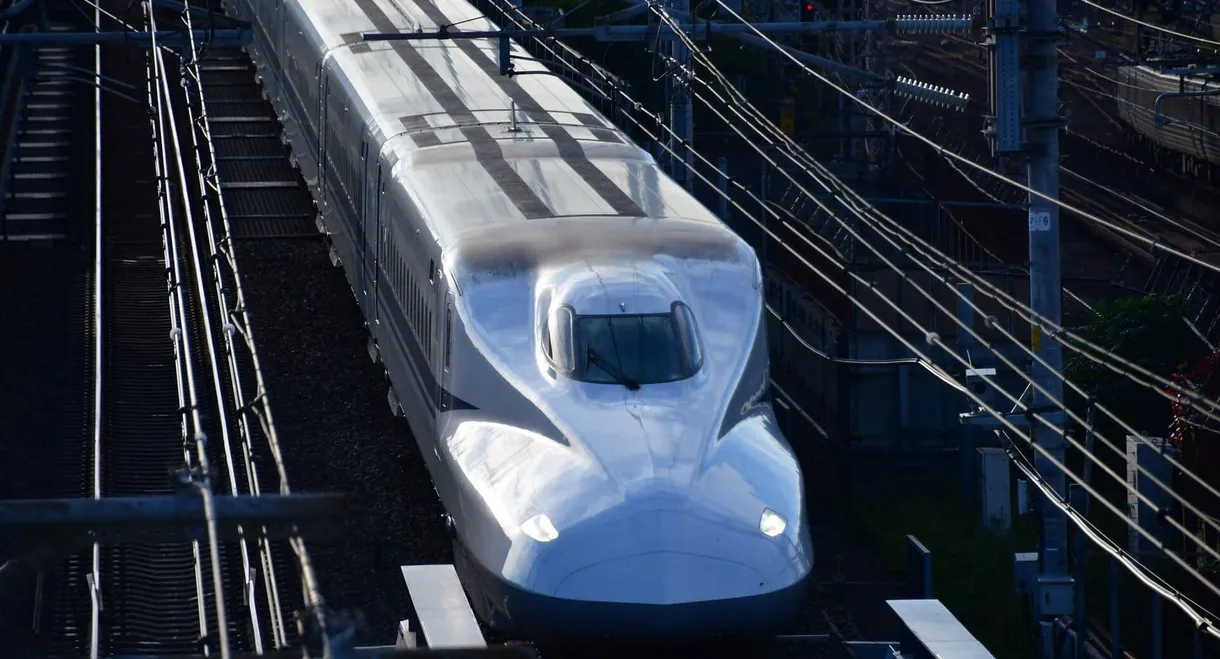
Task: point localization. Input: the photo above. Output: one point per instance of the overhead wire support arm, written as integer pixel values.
(1159, 115)
(169, 38)
(1004, 125)
(901, 25)
(741, 31)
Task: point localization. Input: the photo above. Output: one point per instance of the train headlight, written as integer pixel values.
(772, 523)
(540, 528)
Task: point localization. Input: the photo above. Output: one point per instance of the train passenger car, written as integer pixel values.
(577, 343)
(1194, 121)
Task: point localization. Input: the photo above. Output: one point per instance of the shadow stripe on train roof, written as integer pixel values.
(487, 150)
(569, 147)
(424, 133)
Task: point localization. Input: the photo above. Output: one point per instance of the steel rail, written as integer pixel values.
(187, 400)
(190, 73)
(98, 344)
(240, 319)
(204, 483)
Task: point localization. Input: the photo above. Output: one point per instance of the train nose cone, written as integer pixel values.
(661, 577)
(670, 571)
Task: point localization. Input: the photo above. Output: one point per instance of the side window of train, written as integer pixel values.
(388, 262)
(331, 143)
(398, 273)
(557, 339)
(403, 271)
(688, 337)
(448, 336)
(348, 170)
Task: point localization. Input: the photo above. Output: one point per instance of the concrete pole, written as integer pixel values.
(1046, 291)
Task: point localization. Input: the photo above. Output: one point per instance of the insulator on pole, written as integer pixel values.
(934, 24)
(936, 95)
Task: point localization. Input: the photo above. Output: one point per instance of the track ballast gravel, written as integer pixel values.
(336, 431)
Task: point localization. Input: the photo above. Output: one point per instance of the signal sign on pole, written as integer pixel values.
(787, 118)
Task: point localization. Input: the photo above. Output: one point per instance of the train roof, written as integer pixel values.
(447, 116)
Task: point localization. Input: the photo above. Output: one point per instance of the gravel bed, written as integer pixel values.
(337, 433)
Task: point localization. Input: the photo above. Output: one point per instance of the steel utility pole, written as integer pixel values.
(681, 117)
(1045, 284)
(1055, 589)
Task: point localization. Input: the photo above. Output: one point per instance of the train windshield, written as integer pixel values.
(631, 350)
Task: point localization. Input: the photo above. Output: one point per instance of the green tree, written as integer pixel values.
(1148, 331)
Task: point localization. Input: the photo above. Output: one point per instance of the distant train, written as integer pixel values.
(1193, 128)
(578, 345)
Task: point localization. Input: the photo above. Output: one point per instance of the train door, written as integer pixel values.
(361, 223)
(323, 130)
(373, 238)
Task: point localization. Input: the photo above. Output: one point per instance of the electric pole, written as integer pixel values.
(1041, 123)
(681, 116)
(1045, 285)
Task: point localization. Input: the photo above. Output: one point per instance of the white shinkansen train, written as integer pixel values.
(578, 345)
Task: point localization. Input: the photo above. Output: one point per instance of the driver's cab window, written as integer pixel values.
(629, 349)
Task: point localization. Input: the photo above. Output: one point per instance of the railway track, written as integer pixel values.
(47, 277)
(155, 405)
(135, 369)
(36, 203)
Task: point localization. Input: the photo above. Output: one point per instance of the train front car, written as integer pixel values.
(625, 477)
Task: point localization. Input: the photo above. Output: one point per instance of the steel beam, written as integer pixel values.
(988, 421)
(16, 9)
(201, 12)
(699, 30)
(384, 652)
(681, 113)
(74, 523)
(169, 38)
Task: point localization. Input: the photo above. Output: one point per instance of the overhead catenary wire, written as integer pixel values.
(1194, 400)
(1004, 421)
(635, 103)
(796, 153)
(1202, 621)
(1016, 399)
(1151, 26)
(695, 51)
(1152, 244)
(949, 313)
(931, 337)
(1190, 228)
(1158, 384)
